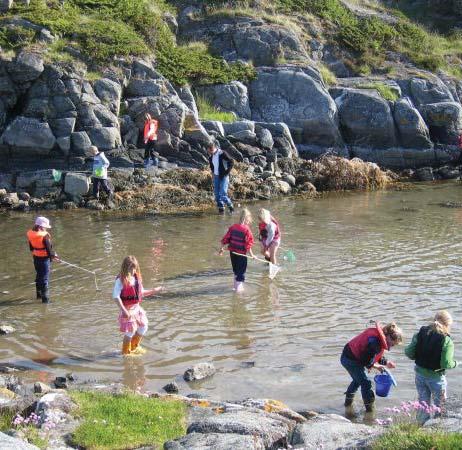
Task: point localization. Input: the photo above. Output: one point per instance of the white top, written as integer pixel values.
(118, 288)
(216, 162)
(100, 166)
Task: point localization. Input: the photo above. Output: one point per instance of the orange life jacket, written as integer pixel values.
(150, 130)
(37, 241)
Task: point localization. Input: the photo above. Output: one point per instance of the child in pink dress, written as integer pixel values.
(128, 294)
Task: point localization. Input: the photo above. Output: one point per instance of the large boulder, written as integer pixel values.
(282, 139)
(444, 121)
(216, 441)
(27, 66)
(80, 143)
(105, 138)
(11, 443)
(187, 97)
(29, 137)
(76, 184)
(38, 182)
(231, 97)
(412, 129)
(293, 96)
(109, 92)
(332, 432)
(366, 119)
(425, 91)
(8, 92)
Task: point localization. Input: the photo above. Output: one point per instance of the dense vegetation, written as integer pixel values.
(102, 30)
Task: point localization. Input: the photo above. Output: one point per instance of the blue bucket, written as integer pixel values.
(383, 383)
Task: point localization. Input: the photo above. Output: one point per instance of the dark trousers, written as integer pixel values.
(239, 264)
(149, 150)
(99, 183)
(42, 275)
(360, 379)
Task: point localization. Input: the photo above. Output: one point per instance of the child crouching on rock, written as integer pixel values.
(239, 239)
(365, 351)
(128, 293)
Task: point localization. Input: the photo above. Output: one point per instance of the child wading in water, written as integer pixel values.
(365, 351)
(269, 235)
(128, 293)
(433, 351)
(239, 239)
(42, 252)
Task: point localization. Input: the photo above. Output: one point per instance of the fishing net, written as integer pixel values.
(289, 256)
(273, 270)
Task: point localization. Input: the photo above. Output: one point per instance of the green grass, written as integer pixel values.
(412, 437)
(106, 29)
(387, 92)
(327, 75)
(112, 422)
(209, 112)
(6, 418)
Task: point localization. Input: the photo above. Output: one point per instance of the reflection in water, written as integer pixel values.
(359, 256)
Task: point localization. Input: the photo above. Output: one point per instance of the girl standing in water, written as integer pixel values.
(239, 239)
(269, 235)
(128, 293)
(432, 349)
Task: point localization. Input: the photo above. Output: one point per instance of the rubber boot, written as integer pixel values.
(135, 345)
(349, 400)
(240, 287)
(45, 295)
(126, 348)
(370, 406)
(38, 292)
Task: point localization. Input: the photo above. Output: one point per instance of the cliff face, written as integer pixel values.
(306, 76)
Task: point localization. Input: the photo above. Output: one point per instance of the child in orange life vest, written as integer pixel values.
(150, 139)
(42, 252)
(365, 351)
(239, 239)
(269, 235)
(128, 293)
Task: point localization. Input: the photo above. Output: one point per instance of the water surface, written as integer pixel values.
(393, 255)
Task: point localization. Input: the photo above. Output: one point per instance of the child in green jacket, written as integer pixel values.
(432, 349)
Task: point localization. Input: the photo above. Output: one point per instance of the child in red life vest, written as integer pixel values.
(269, 235)
(128, 293)
(239, 239)
(365, 351)
(42, 252)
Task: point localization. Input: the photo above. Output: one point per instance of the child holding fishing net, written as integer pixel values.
(269, 235)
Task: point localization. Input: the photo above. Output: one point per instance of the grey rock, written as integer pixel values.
(27, 66)
(105, 116)
(24, 196)
(444, 121)
(143, 88)
(271, 428)
(238, 126)
(424, 174)
(86, 118)
(216, 441)
(214, 125)
(105, 138)
(282, 137)
(289, 179)
(425, 91)
(171, 22)
(332, 432)
(7, 329)
(80, 143)
(245, 136)
(46, 36)
(76, 184)
(29, 136)
(54, 406)
(284, 187)
(315, 151)
(448, 173)
(446, 424)
(7, 90)
(62, 127)
(231, 97)
(292, 96)
(41, 388)
(171, 388)
(39, 108)
(186, 96)
(6, 181)
(63, 106)
(199, 371)
(143, 69)
(412, 129)
(264, 137)
(5, 5)
(64, 144)
(10, 199)
(11, 443)
(366, 119)
(109, 92)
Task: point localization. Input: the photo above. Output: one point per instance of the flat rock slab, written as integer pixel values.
(11, 443)
(199, 371)
(216, 441)
(332, 432)
(447, 424)
(271, 428)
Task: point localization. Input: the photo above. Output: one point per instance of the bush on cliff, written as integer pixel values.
(104, 30)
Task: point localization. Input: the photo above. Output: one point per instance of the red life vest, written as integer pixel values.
(132, 295)
(359, 343)
(238, 238)
(263, 232)
(150, 130)
(36, 240)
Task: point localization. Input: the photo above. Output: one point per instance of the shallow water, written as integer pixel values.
(359, 256)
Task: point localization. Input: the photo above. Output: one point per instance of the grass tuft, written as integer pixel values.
(112, 422)
(209, 112)
(327, 75)
(387, 92)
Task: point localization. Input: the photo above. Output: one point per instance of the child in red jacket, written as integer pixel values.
(239, 239)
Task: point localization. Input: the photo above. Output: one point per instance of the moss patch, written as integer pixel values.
(126, 421)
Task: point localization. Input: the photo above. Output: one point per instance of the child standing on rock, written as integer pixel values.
(99, 175)
(269, 235)
(365, 351)
(42, 252)
(239, 239)
(128, 294)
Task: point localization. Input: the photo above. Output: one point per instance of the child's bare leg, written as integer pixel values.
(273, 249)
